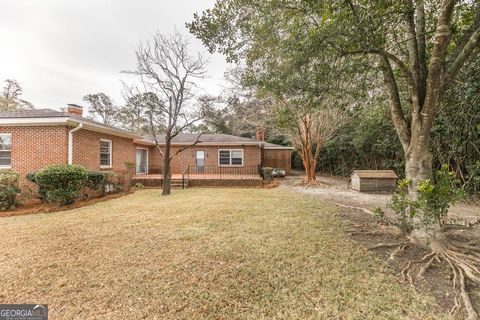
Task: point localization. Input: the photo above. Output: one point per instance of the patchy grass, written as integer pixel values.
(199, 254)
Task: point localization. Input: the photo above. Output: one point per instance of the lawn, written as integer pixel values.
(199, 254)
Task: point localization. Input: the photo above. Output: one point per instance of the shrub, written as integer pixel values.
(267, 173)
(112, 182)
(432, 203)
(403, 206)
(61, 184)
(95, 180)
(8, 189)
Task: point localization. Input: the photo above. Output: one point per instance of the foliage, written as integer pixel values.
(101, 106)
(10, 98)
(61, 184)
(403, 206)
(379, 214)
(432, 202)
(95, 180)
(267, 173)
(435, 197)
(8, 189)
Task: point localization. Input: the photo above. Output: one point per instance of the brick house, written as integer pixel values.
(33, 139)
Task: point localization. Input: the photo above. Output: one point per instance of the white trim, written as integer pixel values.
(70, 142)
(11, 157)
(110, 153)
(231, 165)
(148, 151)
(69, 121)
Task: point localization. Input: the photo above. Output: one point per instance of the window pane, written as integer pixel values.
(237, 157)
(224, 157)
(105, 153)
(5, 142)
(5, 158)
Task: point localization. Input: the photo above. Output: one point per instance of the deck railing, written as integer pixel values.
(204, 172)
(224, 173)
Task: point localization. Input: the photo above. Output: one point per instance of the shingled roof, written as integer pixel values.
(375, 174)
(211, 139)
(49, 115)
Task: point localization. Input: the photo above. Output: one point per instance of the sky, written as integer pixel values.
(62, 50)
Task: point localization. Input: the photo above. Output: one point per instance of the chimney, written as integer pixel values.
(75, 109)
(261, 134)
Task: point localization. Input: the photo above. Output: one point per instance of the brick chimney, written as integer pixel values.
(75, 109)
(261, 134)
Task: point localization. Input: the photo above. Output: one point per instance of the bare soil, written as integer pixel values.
(34, 206)
(337, 189)
(366, 230)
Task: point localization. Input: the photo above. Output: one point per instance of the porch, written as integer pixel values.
(151, 176)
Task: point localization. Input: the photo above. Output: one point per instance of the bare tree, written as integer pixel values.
(10, 98)
(101, 106)
(166, 68)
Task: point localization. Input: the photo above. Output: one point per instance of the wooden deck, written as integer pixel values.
(200, 176)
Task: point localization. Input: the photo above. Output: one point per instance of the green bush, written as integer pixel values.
(95, 180)
(61, 184)
(8, 189)
(432, 202)
(267, 173)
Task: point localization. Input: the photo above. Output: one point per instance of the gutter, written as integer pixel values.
(70, 142)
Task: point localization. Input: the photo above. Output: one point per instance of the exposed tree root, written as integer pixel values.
(308, 184)
(463, 260)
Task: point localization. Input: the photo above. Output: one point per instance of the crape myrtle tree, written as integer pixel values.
(419, 46)
(167, 69)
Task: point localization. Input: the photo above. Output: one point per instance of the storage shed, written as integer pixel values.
(373, 180)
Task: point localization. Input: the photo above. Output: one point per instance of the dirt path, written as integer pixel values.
(336, 189)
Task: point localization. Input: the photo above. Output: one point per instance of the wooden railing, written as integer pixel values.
(219, 172)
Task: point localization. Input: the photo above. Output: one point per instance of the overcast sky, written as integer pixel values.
(61, 50)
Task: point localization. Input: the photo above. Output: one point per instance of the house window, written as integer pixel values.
(5, 150)
(105, 153)
(230, 157)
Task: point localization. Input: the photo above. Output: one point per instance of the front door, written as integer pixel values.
(142, 161)
(200, 160)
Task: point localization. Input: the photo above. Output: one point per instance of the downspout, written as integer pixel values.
(70, 142)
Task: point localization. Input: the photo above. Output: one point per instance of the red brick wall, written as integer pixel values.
(34, 147)
(86, 150)
(251, 156)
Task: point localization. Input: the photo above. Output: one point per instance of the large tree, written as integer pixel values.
(10, 99)
(168, 69)
(419, 46)
(102, 107)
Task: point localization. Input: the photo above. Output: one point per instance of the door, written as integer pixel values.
(142, 161)
(200, 161)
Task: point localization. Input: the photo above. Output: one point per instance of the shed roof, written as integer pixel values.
(390, 174)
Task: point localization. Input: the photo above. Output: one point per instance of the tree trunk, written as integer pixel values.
(309, 163)
(166, 167)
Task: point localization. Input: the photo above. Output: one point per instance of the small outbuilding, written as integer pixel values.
(374, 180)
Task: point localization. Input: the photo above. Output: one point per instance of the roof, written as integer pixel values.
(211, 139)
(50, 116)
(390, 174)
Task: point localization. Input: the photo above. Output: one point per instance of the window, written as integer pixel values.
(230, 157)
(105, 153)
(5, 150)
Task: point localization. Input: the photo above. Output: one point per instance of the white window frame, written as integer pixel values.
(230, 158)
(110, 153)
(11, 158)
(148, 156)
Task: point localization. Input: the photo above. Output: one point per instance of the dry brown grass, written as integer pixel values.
(199, 254)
